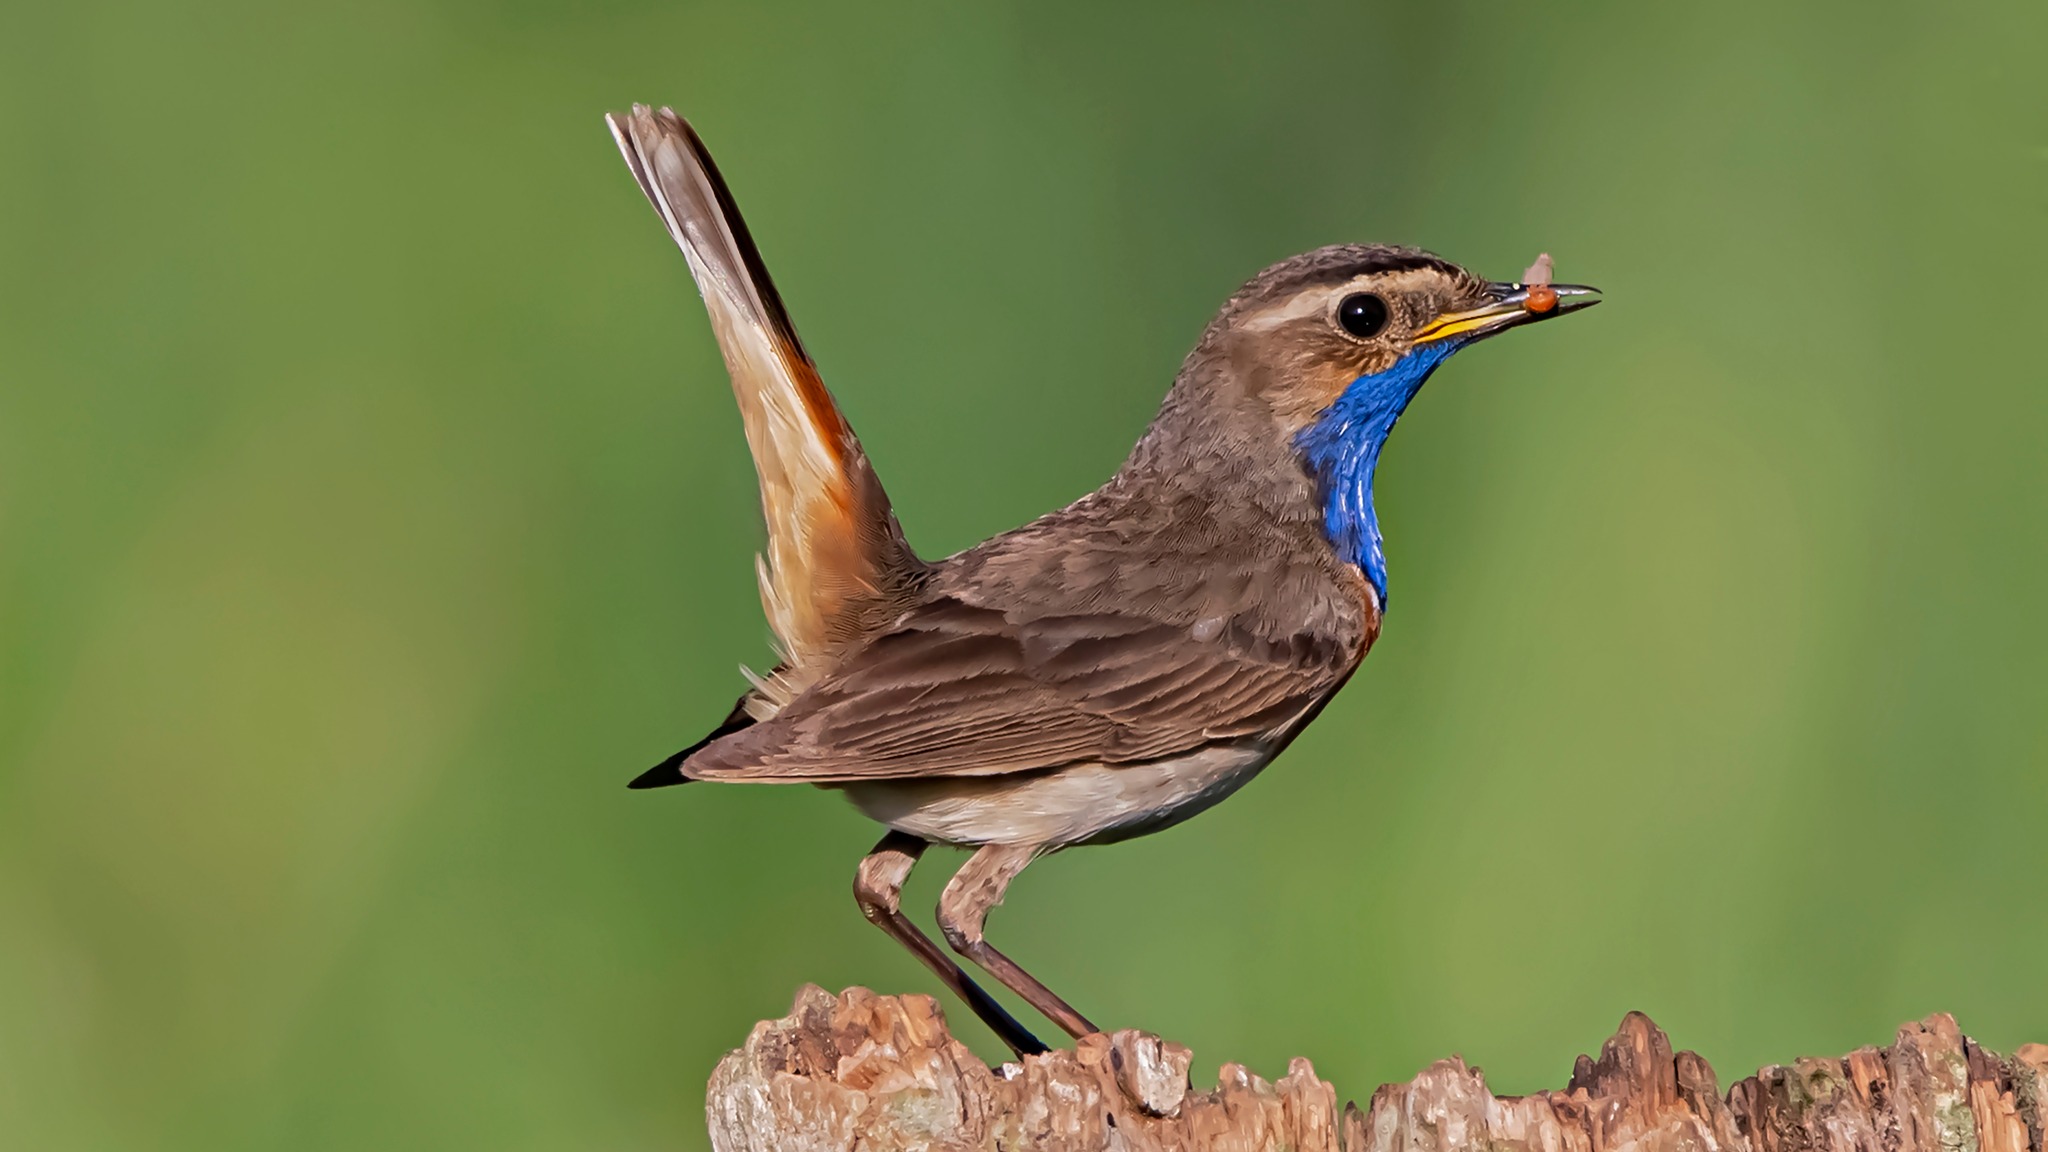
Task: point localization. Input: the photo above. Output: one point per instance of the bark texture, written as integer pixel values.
(882, 1074)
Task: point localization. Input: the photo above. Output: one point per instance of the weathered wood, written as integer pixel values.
(882, 1074)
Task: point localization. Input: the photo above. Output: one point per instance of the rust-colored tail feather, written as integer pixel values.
(837, 565)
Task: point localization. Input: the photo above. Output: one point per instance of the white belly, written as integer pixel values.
(1078, 804)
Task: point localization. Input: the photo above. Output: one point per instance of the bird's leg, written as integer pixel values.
(878, 886)
(963, 908)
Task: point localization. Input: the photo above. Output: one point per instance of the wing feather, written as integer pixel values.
(962, 691)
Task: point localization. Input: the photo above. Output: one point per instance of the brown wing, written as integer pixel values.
(957, 690)
(837, 565)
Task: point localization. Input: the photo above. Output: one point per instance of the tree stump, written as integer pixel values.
(882, 1074)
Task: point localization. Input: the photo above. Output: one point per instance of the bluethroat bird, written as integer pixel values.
(1109, 669)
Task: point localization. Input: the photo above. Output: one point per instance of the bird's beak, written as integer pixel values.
(1510, 306)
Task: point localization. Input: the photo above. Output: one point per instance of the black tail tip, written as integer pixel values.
(669, 771)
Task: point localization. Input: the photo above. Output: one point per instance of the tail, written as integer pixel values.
(837, 565)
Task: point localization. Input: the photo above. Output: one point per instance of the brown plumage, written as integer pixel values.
(1112, 667)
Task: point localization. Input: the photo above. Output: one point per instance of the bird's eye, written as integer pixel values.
(1362, 315)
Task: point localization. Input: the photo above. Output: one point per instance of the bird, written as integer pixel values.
(1111, 668)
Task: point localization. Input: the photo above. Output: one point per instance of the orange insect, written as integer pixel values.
(1541, 297)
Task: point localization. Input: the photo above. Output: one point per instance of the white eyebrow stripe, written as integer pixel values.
(1322, 301)
(1304, 305)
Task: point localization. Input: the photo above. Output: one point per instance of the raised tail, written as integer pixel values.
(837, 565)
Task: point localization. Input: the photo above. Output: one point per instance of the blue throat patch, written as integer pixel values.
(1343, 446)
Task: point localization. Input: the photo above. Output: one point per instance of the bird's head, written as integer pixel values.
(1352, 330)
(1322, 353)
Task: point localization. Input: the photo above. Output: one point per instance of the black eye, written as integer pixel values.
(1363, 315)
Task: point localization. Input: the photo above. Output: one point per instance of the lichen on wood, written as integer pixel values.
(882, 1074)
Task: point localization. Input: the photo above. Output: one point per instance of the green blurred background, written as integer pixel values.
(373, 505)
